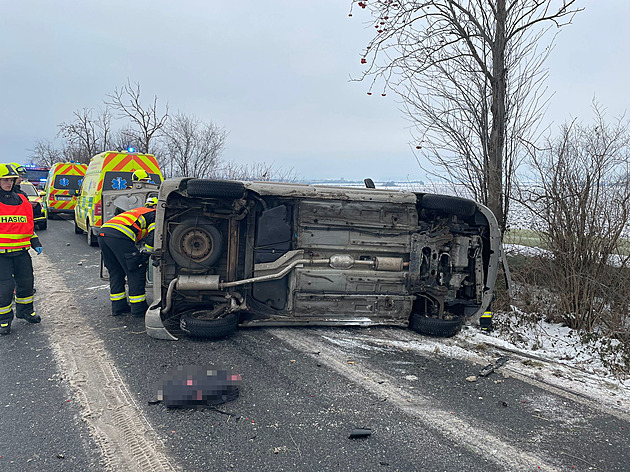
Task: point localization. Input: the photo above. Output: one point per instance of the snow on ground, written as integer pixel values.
(556, 355)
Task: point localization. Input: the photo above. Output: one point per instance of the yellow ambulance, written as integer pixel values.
(64, 179)
(109, 170)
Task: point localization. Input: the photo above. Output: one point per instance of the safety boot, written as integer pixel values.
(32, 318)
(5, 327)
(121, 311)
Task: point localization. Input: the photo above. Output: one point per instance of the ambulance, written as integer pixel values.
(109, 171)
(64, 179)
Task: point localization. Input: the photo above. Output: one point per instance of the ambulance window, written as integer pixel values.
(67, 182)
(115, 180)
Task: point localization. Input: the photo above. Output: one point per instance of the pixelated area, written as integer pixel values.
(198, 386)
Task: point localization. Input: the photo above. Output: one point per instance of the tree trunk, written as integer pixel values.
(497, 132)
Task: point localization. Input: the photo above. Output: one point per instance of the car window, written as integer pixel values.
(115, 180)
(67, 182)
(29, 190)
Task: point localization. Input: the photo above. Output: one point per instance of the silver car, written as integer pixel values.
(232, 254)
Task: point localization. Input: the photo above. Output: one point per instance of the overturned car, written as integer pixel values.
(232, 254)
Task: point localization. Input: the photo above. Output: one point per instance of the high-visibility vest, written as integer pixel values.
(132, 223)
(16, 225)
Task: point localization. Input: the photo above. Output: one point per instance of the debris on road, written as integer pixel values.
(360, 433)
(196, 386)
(487, 370)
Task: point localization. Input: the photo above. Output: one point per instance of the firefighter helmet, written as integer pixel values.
(151, 202)
(7, 171)
(20, 169)
(140, 175)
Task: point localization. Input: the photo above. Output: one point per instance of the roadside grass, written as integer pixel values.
(532, 238)
(523, 237)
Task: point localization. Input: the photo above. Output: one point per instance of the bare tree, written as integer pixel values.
(470, 74)
(260, 171)
(86, 135)
(44, 153)
(191, 147)
(581, 207)
(145, 122)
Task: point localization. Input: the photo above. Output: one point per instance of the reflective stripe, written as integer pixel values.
(137, 298)
(148, 248)
(117, 296)
(121, 228)
(4, 325)
(3, 251)
(24, 300)
(14, 236)
(5, 309)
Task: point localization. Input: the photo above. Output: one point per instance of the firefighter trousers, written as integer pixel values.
(16, 277)
(122, 259)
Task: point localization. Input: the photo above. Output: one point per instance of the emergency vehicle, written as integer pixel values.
(64, 179)
(38, 204)
(36, 174)
(109, 170)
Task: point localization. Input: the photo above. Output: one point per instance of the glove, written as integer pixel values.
(39, 250)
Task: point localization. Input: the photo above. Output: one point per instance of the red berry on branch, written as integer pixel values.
(369, 93)
(363, 61)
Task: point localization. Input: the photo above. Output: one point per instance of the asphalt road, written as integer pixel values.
(77, 393)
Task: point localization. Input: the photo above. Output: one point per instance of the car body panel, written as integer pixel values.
(294, 254)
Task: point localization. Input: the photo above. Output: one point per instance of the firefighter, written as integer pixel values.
(16, 267)
(118, 239)
(140, 176)
(21, 170)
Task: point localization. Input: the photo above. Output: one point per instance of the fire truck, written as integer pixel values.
(37, 175)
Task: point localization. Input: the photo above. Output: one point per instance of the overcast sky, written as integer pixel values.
(275, 74)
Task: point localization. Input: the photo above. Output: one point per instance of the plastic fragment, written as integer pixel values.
(360, 433)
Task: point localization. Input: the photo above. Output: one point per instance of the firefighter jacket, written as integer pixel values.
(136, 224)
(16, 223)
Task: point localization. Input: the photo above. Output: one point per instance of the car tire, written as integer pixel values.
(434, 326)
(190, 235)
(77, 230)
(51, 216)
(91, 239)
(215, 188)
(42, 225)
(216, 328)
(449, 204)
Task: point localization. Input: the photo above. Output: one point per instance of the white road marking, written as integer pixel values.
(126, 439)
(484, 443)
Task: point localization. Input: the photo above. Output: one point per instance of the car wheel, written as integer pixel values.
(194, 323)
(51, 216)
(449, 204)
(91, 239)
(214, 188)
(434, 326)
(195, 244)
(77, 230)
(42, 225)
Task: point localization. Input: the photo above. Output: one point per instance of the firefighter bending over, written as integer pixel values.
(118, 238)
(16, 237)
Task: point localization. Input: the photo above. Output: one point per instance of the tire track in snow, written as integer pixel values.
(125, 438)
(423, 409)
